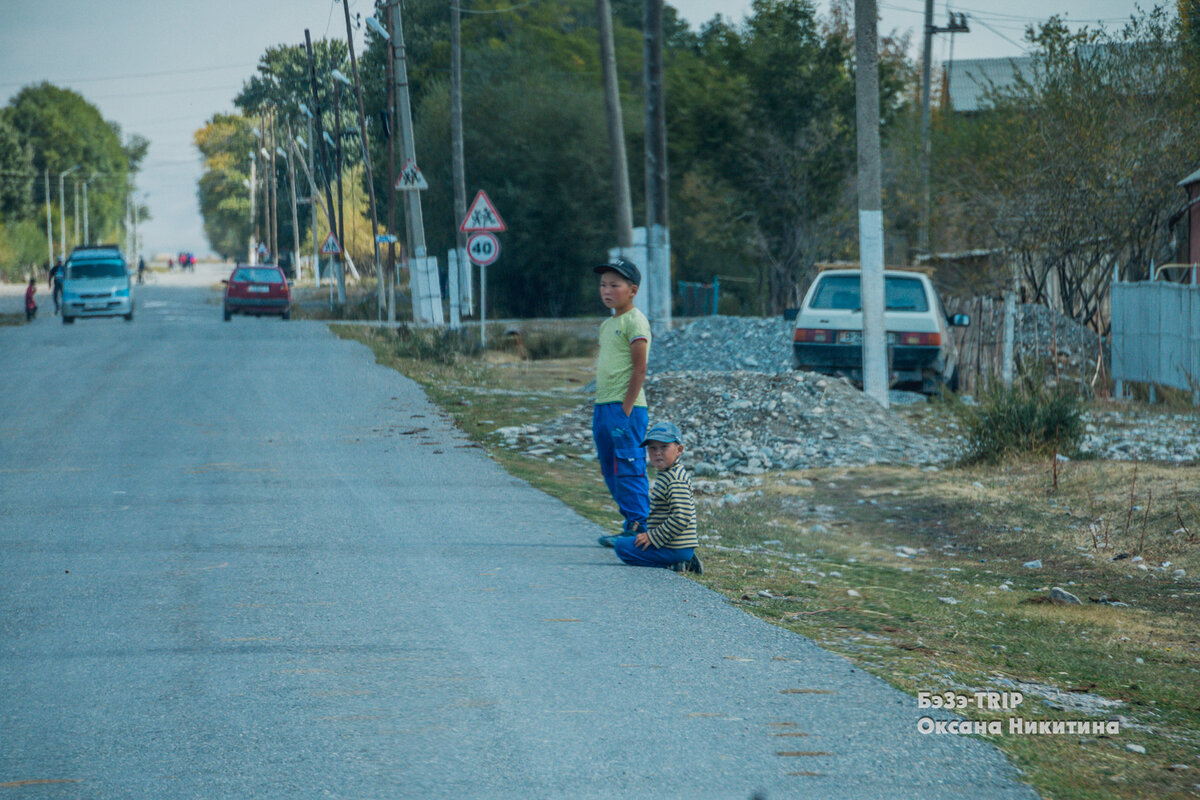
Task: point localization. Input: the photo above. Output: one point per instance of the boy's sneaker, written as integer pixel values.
(609, 541)
(695, 566)
(678, 566)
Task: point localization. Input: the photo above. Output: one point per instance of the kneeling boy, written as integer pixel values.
(670, 536)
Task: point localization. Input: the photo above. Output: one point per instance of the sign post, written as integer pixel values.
(483, 248)
(332, 249)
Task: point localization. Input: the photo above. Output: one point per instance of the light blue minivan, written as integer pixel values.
(96, 283)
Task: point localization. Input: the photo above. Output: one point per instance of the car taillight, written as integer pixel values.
(925, 339)
(816, 335)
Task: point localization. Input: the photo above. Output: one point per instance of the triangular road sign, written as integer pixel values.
(411, 178)
(331, 246)
(482, 216)
(262, 250)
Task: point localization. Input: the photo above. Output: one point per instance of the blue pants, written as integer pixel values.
(622, 458)
(635, 556)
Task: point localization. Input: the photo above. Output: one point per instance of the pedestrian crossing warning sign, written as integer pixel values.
(331, 246)
(482, 216)
(411, 179)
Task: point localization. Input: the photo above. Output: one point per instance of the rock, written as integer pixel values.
(950, 601)
(1037, 564)
(1179, 573)
(1060, 596)
(765, 593)
(1136, 748)
(853, 593)
(1137, 559)
(704, 469)
(906, 551)
(1004, 587)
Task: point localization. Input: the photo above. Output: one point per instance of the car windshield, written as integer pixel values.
(842, 293)
(99, 268)
(257, 275)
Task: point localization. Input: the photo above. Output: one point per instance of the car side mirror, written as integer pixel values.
(291, 283)
(225, 281)
(960, 320)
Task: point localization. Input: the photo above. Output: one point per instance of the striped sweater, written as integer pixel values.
(672, 520)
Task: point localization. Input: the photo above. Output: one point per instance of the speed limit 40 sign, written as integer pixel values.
(483, 248)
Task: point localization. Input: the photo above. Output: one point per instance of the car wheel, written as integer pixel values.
(68, 320)
(129, 317)
(228, 314)
(286, 315)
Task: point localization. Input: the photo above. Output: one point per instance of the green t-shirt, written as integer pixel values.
(614, 368)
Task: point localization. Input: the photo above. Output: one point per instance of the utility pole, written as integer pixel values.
(316, 141)
(75, 217)
(870, 202)
(86, 237)
(457, 161)
(616, 129)
(273, 210)
(310, 168)
(63, 212)
(958, 24)
(391, 186)
(362, 133)
(412, 200)
(658, 269)
(291, 167)
(49, 224)
(252, 256)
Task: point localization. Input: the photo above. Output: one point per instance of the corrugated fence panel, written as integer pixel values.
(1156, 334)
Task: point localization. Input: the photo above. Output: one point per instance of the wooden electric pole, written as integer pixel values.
(412, 200)
(616, 128)
(318, 140)
(658, 268)
(870, 202)
(362, 134)
(457, 161)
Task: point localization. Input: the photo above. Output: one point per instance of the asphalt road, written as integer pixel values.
(243, 560)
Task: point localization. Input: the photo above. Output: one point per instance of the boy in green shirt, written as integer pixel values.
(619, 417)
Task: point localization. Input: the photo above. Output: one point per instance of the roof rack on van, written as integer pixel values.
(822, 266)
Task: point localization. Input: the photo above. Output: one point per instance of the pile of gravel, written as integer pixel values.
(725, 343)
(746, 423)
(764, 344)
(1131, 435)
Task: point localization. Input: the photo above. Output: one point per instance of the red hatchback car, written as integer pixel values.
(257, 290)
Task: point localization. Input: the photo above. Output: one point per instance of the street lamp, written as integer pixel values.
(62, 211)
(374, 25)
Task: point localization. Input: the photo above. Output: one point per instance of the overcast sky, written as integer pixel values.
(161, 68)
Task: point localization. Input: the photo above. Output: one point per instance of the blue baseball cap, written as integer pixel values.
(664, 432)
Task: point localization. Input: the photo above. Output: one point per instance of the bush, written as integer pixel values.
(540, 345)
(1034, 417)
(438, 346)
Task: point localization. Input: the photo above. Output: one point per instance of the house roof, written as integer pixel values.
(969, 80)
(1190, 179)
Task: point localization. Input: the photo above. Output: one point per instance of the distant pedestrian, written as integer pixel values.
(619, 416)
(670, 536)
(30, 303)
(55, 281)
(141, 270)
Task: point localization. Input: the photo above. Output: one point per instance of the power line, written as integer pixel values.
(136, 75)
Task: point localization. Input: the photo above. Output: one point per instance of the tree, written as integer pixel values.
(225, 144)
(62, 130)
(1076, 173)
(16, 173)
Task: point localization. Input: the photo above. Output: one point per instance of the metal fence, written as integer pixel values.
(1156, 335)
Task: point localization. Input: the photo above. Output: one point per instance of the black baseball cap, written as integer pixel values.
(623, 267)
